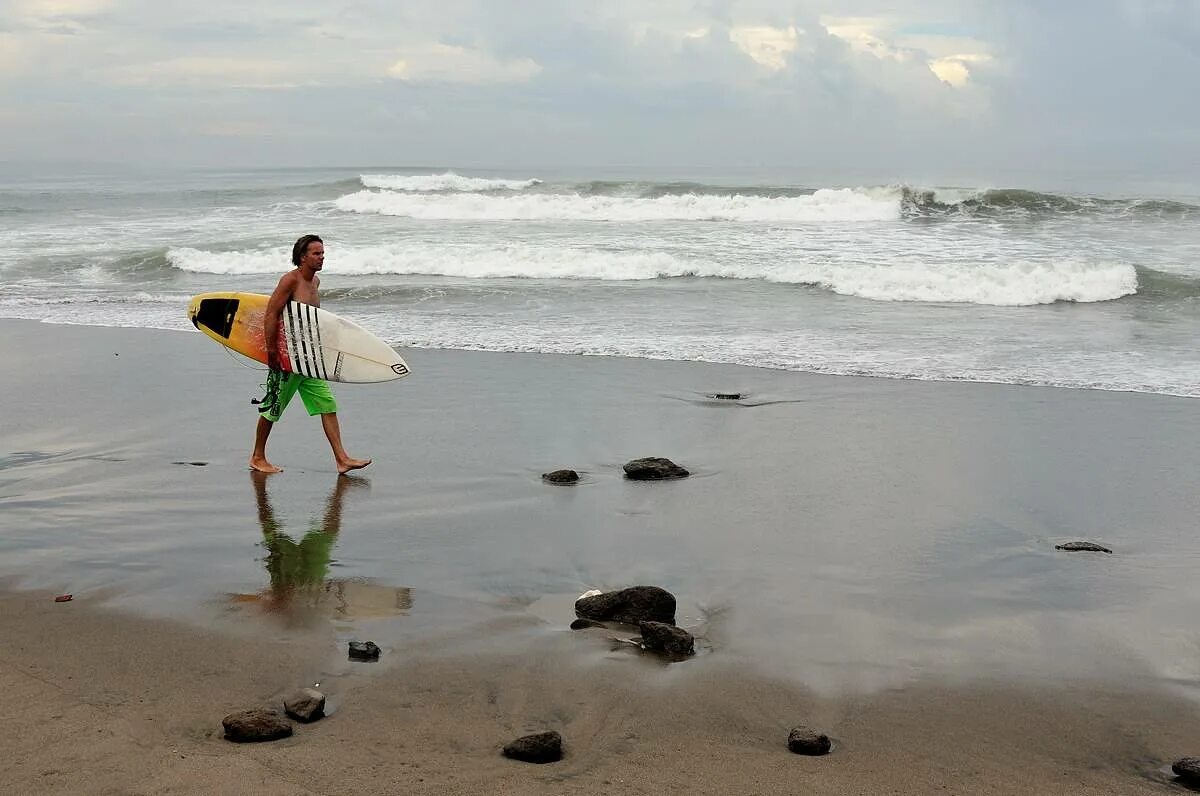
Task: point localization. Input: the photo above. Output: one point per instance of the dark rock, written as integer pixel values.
(1084, 547)
(667, 639)
(1187, 769)
(584, 624)
(727, 396)
(542, 747)
(364, 651)
(561, 477)
(653, 468)
(629, 606)
(256, 725)
(804, 741)
(305, 704)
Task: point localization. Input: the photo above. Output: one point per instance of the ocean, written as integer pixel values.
(1091, 289)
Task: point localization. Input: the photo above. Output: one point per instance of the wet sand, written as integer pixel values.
(874, 559)
(108, 703)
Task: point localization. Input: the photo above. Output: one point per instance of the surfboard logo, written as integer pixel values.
(399, 369)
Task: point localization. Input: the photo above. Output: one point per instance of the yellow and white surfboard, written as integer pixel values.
(312, 341)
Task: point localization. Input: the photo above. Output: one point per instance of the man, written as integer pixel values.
(302, 285)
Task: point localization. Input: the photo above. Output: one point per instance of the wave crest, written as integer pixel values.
(1020, 202)
(441, 183)
(259, 261)
(1010, 284)
(823, 205)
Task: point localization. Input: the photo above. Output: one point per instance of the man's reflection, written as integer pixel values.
(300, 588)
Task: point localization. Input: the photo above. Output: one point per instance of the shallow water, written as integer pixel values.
(854, 534)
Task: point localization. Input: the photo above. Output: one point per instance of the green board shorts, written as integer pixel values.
(317, 397)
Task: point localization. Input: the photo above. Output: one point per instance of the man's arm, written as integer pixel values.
(279, 300)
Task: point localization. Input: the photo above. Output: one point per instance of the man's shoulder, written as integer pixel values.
(287, 284)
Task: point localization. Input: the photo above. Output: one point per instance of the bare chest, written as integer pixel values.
(306, 293)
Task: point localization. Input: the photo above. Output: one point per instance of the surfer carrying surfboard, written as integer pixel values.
(302, 285)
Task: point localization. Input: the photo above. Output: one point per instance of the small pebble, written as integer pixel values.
(1082, 547)
(561, 477)
(803, 741)
(364, 651)
(305, 704)
(542, 747)
(1187, 769)
(248, 726)
(64, 598)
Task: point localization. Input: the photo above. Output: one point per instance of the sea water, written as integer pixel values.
(1090, 288)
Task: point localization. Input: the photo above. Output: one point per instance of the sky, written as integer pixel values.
(905, 85)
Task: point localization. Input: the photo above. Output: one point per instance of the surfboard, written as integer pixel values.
(312, 341)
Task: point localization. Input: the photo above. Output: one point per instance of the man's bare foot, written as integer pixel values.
(264, 466)
(346, 465)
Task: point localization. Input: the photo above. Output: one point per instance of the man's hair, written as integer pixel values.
(301, 247)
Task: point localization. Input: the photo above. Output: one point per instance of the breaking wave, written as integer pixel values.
(1009, 284)
(449, 181)
(822, 205)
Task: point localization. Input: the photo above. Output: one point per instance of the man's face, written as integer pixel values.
(314, 256)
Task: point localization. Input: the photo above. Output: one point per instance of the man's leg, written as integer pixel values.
(280, 389)
(258, 459)
(333, 432)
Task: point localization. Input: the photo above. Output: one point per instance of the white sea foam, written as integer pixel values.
(83, 299)
(258, 261)
(1009, 284)
(94, 274)
(824, 205)
(956, 196)
(470, 262)
(448, 181)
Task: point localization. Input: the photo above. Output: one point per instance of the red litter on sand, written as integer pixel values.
(63, 598)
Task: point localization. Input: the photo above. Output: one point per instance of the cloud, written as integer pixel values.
(447, 63)
(767, 46)
(882, 86)
(61, 9)
(955, 69)
(202, 71)
(13, 56)
(943, 48)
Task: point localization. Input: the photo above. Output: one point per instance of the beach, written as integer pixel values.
(872, 558)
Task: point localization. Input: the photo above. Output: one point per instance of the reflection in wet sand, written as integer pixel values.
(300, 589)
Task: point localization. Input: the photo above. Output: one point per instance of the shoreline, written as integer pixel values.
(701, 363)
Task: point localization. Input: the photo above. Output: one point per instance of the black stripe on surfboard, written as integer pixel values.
(305, 344)
(306, 339)
(300, 364)
(310, 343)
(315, 336)
(321, 344)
